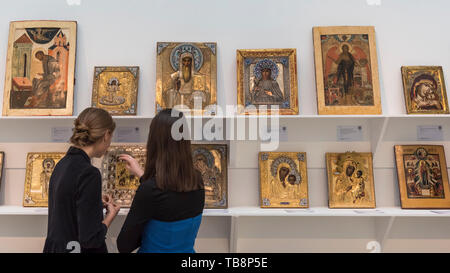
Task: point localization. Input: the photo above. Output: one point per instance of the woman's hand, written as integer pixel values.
(106, 198)
(132, 165)
(112, 210)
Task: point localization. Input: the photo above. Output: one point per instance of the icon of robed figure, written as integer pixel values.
(264, 87)
(42, 94)
(48, 166)
(188, 86)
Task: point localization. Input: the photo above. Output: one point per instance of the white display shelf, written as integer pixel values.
(58, 119)
(239, 117)
(27, 211)
(64, 117)
(225, 116)
(206, 212)
(272, 212)
(327, 212)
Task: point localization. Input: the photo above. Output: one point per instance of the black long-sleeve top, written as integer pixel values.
(152, 203)
(75, 207)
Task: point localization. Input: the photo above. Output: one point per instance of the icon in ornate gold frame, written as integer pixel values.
(40, 68)
(116, 179)
(186, 75)
(346, 71)
(39, 169)
(115, 89)
(211, 160)
(424, 90)
(350, 180)
(283, 180)
(267, 77)
(2, 164)
(422, 176)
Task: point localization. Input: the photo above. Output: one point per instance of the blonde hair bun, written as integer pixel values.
(90, 126)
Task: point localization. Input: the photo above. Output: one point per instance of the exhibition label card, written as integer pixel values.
(280, 134)
(349, 133)
(127, 134)
(430, 133)
(61, 134)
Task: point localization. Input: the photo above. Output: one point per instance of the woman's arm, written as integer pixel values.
(89, 207)
(132, 165)
(111, 212)
(140, 213)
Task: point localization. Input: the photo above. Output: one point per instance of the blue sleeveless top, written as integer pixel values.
(162, 221)
(170, 237)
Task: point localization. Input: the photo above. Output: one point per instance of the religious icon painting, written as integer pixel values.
(350, 180)
(186, 77)
(283, 180)
(115, 89)
(346, 71)
(116, 179)
(39, 169)
(422, 176)
(268, 78)
(424, 89)
(211, 161)
(40, 68)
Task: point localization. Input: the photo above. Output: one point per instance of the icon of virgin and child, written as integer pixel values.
(285, 180)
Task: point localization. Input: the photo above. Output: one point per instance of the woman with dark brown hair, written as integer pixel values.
(167, 209)
(75, 205)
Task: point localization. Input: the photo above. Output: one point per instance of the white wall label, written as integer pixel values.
(430, 133)
(61, 134)
(283, 133)
(127, 134)
(280, 134)
(350, 133)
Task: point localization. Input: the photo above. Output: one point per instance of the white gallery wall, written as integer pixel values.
(125, 33)
(115, 32)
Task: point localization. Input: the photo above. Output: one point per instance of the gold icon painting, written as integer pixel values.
(116, 179)
(267, 77)
(424, 90)
(115, 89)
(422, 176)
(40, 68)
(186, 76)
(211, 161)
(346, 71)
(39, 169)
(283, 180)
(350, 180)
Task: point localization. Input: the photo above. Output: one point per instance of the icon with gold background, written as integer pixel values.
(283, 180)
(211, 161)
(115, 89)
(350, 180)
(39, 169)
(117, 180)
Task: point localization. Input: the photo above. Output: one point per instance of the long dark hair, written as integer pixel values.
(169, 161)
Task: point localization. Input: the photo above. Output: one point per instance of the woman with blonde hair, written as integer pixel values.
(75, 205)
